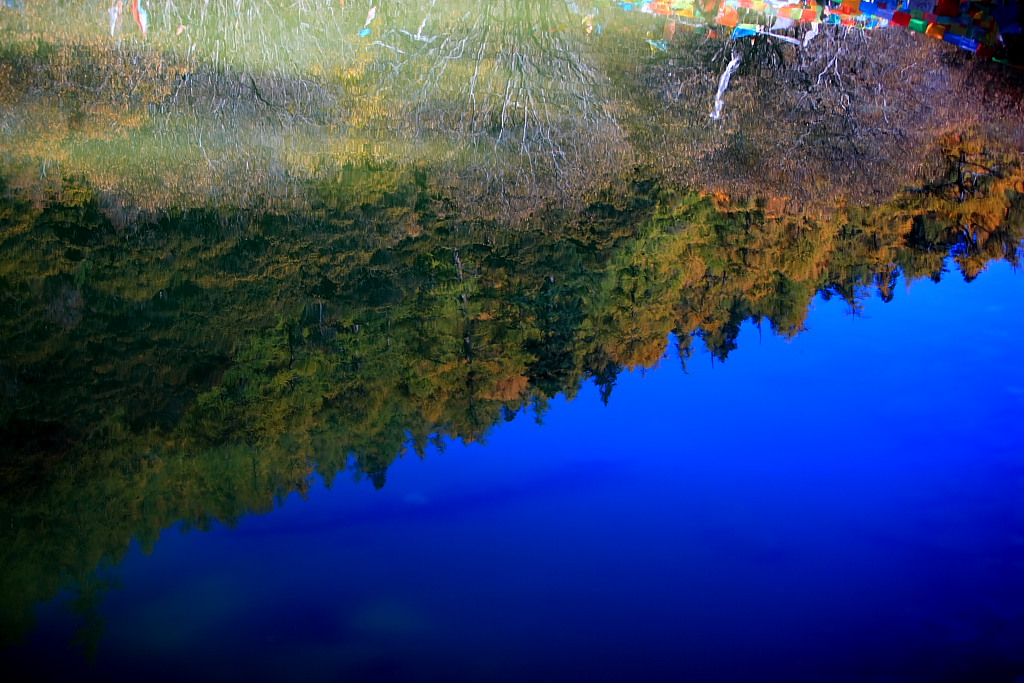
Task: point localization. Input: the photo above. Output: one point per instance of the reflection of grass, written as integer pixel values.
(249, 34)
(188, 161)
(297, 36)
(272, 94)
(510, 99)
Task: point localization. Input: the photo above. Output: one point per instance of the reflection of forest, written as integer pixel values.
(230, 266)
(195, 365)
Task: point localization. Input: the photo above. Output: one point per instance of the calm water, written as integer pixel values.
(845, 506)
(460, 342)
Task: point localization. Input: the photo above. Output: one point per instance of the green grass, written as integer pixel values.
(273, 94)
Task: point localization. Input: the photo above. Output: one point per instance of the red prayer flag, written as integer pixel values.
(140, 17)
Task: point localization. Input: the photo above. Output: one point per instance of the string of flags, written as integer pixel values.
(988, 28)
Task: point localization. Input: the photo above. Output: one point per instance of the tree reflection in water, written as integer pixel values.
(226, 268)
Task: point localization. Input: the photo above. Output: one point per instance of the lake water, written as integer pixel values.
(845, 506)
(509, 341)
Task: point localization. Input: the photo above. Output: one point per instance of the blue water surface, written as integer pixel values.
(845, 506)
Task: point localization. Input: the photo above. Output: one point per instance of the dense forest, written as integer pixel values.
(269, 251)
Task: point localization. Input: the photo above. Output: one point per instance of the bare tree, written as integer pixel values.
(511, 81)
